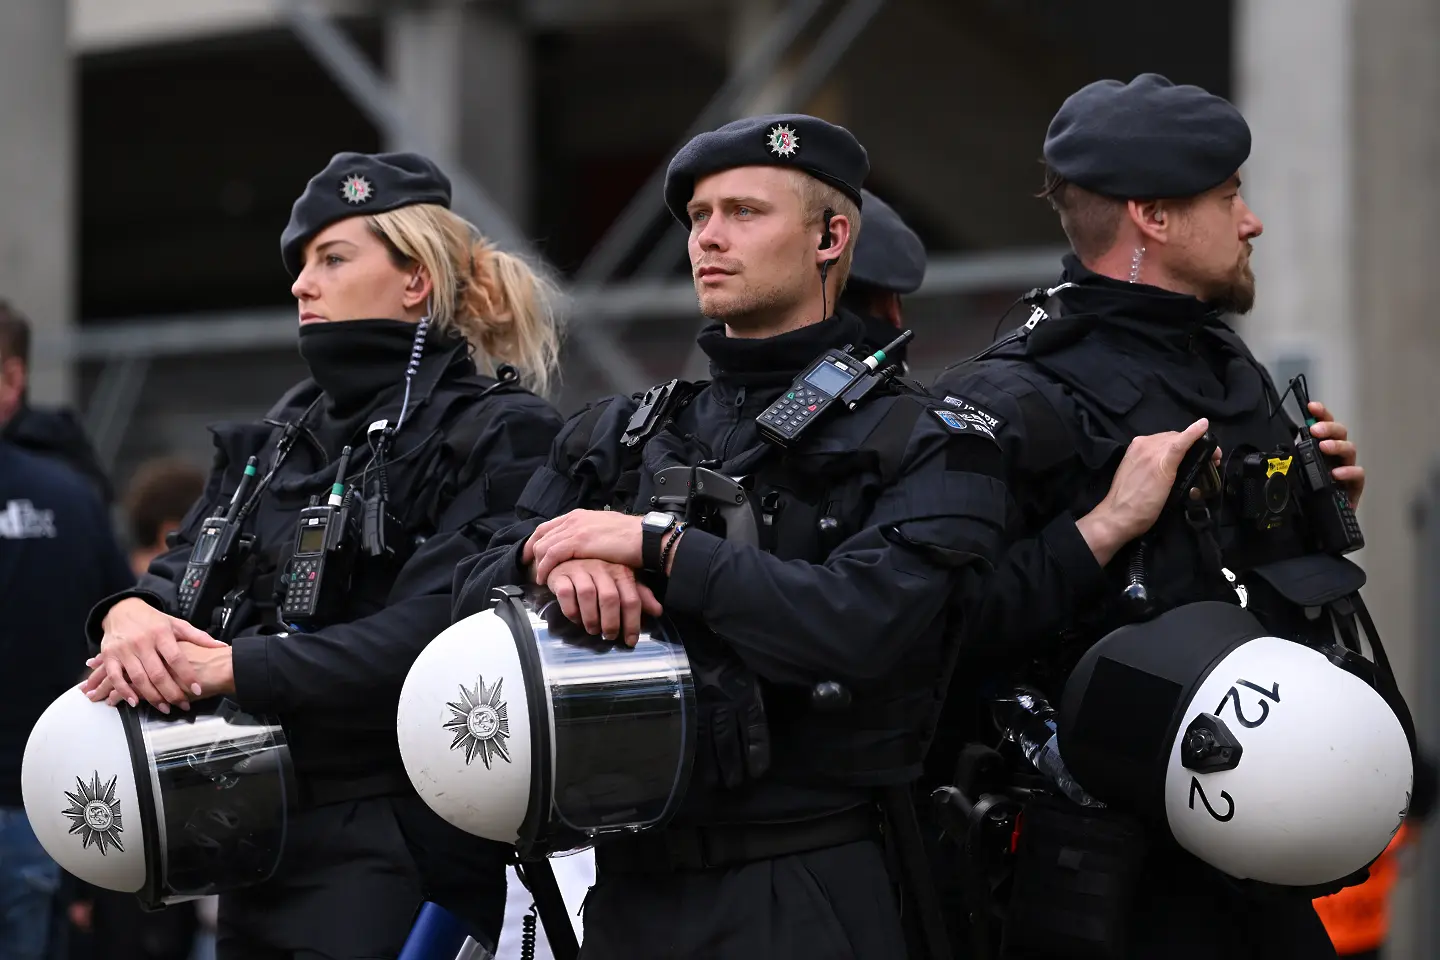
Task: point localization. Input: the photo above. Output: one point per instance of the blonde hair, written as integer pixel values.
(817, 196)
(501, 305)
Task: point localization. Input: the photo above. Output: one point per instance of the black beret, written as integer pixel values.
(357, 185)
(821, 149)
(888, 254)
(1147, 139)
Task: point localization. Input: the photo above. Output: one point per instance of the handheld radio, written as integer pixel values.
(1327, 506)
(218, 552)
(1197, 472)
(836, 377)
(320, 565)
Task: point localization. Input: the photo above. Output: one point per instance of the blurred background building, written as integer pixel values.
(151, 150)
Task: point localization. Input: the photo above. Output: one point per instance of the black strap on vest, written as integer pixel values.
(899, 807)
(1385, 681)
(659, 406)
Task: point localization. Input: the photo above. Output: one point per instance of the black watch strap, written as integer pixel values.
(651, 539)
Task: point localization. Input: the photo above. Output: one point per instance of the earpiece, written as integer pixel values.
(826, 240)
(1158, 217)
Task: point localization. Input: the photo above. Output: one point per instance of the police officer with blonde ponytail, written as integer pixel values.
(407, 448)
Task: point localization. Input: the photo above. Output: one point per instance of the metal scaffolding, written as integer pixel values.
(598, 308)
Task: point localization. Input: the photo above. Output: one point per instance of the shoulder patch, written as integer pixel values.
(976, 416)
(958, 423)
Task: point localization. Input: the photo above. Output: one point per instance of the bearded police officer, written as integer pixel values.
(889, 263)
(1132, 341)
(818, 644)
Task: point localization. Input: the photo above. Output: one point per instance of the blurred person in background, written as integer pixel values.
(400, 305)
(52, 432)
(889, 263)
(160, 494)
(58, 556)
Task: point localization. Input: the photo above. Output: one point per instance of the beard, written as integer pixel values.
(1234, 293)
(744, 308)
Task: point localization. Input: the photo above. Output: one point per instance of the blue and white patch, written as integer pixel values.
(978, 418)
(953, 421)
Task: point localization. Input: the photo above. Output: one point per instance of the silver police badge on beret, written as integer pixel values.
(95, 814)
(356, 189)
(783, 141)
(481, 722)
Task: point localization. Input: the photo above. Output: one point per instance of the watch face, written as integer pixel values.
(657, 520)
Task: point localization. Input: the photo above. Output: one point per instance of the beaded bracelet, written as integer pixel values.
(669, 546)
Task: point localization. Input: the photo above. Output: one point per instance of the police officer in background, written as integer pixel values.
(399, 302)
(1145, 179)
(876, 527)
(889, 263)
(57, 555)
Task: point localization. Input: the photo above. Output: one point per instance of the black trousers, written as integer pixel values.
(352, 879)
(831, 904)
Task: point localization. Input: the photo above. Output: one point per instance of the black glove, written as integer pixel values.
(732, 718)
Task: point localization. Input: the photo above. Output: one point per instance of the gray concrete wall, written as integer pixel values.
(1394, 252)
(36, 190)
(462, 76)
(1342, 97)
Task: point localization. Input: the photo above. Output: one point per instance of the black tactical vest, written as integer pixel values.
(804, 503)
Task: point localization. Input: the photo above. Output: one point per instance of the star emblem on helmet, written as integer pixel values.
(94, 813)
(481, 723)
(783, 141)
(356, 189)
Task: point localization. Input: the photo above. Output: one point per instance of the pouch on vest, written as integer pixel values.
(1076, 872)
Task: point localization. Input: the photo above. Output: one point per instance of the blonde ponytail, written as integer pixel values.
(510, 309)
(505, 308)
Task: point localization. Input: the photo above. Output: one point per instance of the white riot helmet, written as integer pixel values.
(168, 808)
(517, 726)
(1262, 756)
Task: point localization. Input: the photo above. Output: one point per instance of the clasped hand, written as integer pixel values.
(588, 559)
(148, 654)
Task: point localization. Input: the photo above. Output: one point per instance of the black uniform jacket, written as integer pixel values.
(1121, 360)
(1116, 361)
(870, 610)
(458, 464)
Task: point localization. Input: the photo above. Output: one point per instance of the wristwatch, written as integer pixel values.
(654, 525)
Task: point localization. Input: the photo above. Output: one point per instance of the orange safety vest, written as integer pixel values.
(1358, 918)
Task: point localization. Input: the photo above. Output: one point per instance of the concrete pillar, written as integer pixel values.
(1293, 63)
(462, 76)
(1395, 254)
(1342, 97)
(37, 233)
